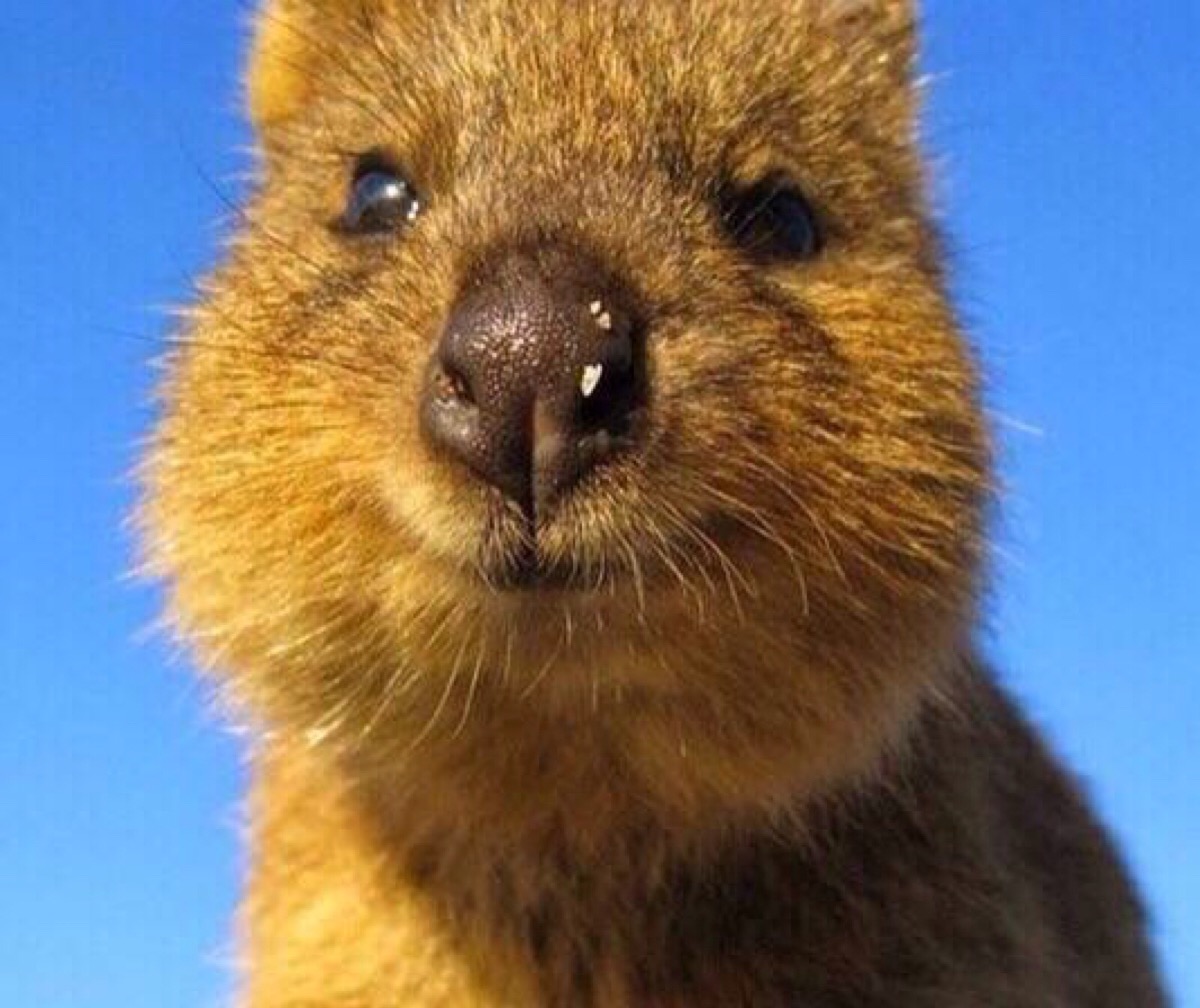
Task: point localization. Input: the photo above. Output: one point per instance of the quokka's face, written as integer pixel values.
(564, 324)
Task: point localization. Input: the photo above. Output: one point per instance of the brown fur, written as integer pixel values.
(748, 759)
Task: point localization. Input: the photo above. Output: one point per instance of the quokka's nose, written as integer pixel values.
(536, 375)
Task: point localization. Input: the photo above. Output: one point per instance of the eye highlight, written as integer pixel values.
(381, 200)
(772, 220)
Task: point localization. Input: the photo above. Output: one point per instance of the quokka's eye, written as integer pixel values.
(381, 201)
(773, 220)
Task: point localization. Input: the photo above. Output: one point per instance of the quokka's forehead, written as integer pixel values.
(714, 51)
(711, 59)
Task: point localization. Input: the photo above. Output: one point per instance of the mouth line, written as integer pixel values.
(528, 570)
(514, 558)
(528, 580)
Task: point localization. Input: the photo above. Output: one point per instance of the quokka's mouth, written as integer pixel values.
(514, 557)
(538, 575)
(577, 555)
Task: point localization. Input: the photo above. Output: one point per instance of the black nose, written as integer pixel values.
(537, 374)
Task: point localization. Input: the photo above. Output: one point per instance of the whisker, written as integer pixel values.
(475, 675)
(451, 680)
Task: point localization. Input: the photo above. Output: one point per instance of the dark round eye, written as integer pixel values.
(381, 201)
(773, 220)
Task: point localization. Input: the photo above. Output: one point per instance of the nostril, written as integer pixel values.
(451, 387)
(608, 380)
(607, 396)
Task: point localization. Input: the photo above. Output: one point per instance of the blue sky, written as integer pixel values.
(1069, 138)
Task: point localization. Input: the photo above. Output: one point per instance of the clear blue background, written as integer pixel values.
(1070, 136)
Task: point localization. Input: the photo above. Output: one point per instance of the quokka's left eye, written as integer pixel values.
(381, 201)
(773, 220)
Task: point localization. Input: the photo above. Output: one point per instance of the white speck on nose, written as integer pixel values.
(602, 317)
(592, 376)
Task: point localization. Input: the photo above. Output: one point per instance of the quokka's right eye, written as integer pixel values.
(773, 220)
(381, 200)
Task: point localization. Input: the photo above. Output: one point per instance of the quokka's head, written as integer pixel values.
(577, 356)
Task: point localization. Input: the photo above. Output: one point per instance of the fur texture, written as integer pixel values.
(746, 757)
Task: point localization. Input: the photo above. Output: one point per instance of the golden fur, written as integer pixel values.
(468, 796)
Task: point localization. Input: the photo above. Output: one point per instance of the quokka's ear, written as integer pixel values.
(292, 39)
